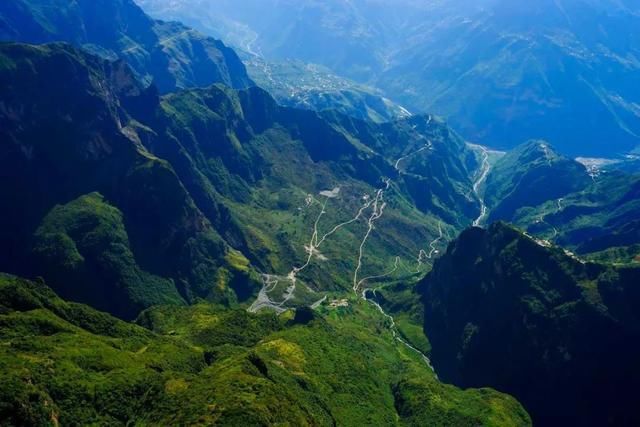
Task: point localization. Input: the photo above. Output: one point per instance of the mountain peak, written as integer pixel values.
(538, 150)
(498, 301)
(529, 175)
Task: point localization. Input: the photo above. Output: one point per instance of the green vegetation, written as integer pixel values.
(506, 311)
(206, 179)
(597, 218)
(401, 300)
(84, 245)
(254, 159)
(144, 214)
(169, 209)
(92, 210)
(529, 175)
(594, 214)
(617, 255)
(65, 363)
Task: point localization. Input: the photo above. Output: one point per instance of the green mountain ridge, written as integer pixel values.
(602, 217)
(559, 334)
(144, 223)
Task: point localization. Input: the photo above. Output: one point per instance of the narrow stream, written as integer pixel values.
(393, 328)
(484, 172)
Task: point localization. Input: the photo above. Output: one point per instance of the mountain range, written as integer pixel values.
(500, 71)
(66, 363)
(117, 156)
(181, 246)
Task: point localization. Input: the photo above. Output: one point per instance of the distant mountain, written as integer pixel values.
(171, 55)
(312, 87)
(630, 164)
(529, 175)
(67, 363)
(562, 336)
(505, 71)
(337, 34)
(501, 71)
(293, 83)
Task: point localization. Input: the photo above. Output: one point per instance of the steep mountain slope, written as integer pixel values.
(291, 82)
(65, 363)
(311, 188)
(86, 205)
(501, 71)
(529, 175)
(167, 53)
(504, 311)
(152, 194)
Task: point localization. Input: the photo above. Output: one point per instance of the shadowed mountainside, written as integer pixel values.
(504, 311)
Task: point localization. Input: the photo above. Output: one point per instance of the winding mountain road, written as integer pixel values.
(427, 146)
(377, 206)
(423, 255)
(378, 210)
(270, 282)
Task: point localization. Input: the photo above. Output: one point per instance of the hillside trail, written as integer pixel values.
(270, 281)
(376, 205)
